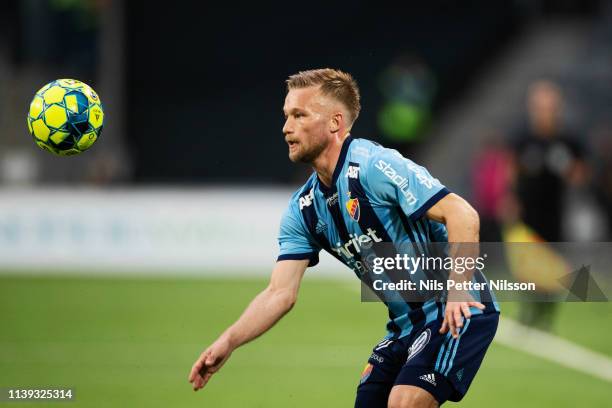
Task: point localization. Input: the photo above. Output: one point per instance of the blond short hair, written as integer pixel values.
(335, 83)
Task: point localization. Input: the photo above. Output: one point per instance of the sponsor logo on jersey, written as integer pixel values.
(367, 370)
(353, 172)
(419, 344)
(352, 206)
(332, 200)
(378, 358)
(356, 243)
(422, 177)
(397, 179)
(306, 200)
(430, 378)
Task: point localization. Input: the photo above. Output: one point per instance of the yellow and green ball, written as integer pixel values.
(66, 117)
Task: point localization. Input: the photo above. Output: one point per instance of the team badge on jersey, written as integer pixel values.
(367, 370)
(352, 206)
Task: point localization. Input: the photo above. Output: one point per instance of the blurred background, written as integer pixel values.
(119, 265)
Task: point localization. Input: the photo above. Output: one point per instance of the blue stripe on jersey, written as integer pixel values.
(487, 298)
(311, 219)
(410, 232)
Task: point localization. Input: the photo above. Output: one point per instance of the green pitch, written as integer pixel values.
(131, 343)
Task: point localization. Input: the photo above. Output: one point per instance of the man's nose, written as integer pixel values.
(287, 127)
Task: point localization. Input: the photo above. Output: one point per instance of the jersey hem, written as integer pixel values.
(312, 257)
(429, 203)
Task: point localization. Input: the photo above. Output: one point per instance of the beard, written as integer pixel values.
(310, 154)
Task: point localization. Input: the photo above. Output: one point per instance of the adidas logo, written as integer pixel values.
(430, 378)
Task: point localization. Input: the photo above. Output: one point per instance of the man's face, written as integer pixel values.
(544, 105)
(308, 116)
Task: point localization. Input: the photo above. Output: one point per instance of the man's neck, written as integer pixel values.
(325, 163)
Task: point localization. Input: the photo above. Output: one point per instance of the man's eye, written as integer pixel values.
(298, 115)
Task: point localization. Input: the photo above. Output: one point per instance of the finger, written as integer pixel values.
(195, 369)
(207, 364)
(477, 304)
(444, 327)
(451, 324)
(458, 318)
(197, 382)
(198, 365)
(466, 311)
(201, 381)
(210, 360)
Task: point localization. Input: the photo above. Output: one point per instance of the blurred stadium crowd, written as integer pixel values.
(198, 100)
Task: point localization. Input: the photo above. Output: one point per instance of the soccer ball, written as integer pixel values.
(65, 117)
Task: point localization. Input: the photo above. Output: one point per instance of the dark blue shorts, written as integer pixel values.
(437, 363)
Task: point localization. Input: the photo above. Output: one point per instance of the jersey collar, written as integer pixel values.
(339, 165)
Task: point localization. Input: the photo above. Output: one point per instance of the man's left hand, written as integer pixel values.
(453, 316)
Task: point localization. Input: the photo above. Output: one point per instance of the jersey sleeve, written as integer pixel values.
(293, 239)
(395, 180)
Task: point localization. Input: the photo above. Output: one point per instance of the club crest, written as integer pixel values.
(352, 206)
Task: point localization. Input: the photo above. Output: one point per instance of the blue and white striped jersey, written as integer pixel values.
(375, 205)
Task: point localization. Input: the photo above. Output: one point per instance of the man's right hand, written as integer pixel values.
(210, 361)
(266, 309)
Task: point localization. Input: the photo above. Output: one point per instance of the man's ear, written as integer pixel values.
(336, 122)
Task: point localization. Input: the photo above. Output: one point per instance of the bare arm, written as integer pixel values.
(463, 226)
(461, 220)
(267, 308)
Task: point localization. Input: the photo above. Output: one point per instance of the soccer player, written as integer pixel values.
(364, 196)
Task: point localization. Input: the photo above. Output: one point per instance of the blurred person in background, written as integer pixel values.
(602, 177)
(491, 177)
(546, 160)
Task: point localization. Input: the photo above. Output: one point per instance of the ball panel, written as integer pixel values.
(71, 103)
(87, 140)
(46, 147)
(70, 83)
(76, 102)
(55, 94)
(90, 94)
(36, 107)
(69, 152)
(40, 130)
(44, 88)
(80, 128)
(55, 116)
(96, 116)
(58, 137)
